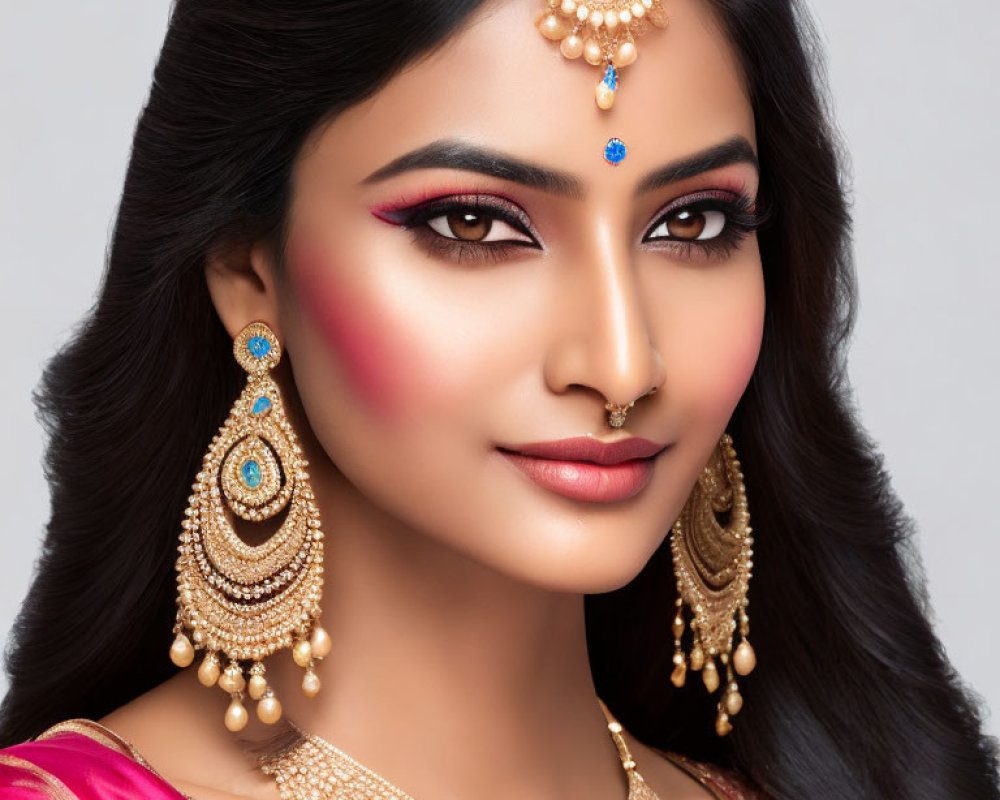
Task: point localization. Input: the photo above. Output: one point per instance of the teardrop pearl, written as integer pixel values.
(552, 27)
(257, 687)
(571, 46)
(320, 643)
(181, 651)
(625, 54)
(311, 684)
(269, 709)
(592, 52)
(208, 672)
(710, 675)
(678, 676)
(733, 702)
(744, 659)
(605, 97)
(697, 658)
(236, 716)
(722, 725)
(302, 653)
(231, 679)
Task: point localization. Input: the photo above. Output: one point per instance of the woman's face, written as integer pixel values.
(440, 308)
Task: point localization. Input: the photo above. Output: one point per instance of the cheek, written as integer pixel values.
(737, 341)
(371, 353)
(715, 344)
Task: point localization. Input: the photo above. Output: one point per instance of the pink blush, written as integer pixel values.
(353, 332)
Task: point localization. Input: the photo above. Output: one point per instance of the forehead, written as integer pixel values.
(496, 81)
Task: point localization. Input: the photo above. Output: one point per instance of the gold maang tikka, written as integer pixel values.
(603, 32)
(712, 566)
(242, 603)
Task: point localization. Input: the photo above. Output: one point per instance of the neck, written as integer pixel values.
(448, 677)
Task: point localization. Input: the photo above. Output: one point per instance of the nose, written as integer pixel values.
(604, 341)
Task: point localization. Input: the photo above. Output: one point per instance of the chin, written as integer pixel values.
(586, 566)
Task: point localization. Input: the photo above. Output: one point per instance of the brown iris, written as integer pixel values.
(686, 224)
(469, 227)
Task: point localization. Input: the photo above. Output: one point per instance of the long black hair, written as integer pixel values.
(853, 696)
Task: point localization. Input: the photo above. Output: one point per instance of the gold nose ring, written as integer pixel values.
(617, 413)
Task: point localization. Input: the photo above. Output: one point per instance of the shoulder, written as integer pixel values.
(78, 760)
(724, 783)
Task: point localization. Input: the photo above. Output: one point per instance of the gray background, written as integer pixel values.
(913, 88)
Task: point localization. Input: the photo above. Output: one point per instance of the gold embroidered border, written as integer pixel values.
(106, 737)
(97, 732)
(52, 786)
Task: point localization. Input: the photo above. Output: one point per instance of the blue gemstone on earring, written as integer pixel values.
(251, 474)
(614, 151)
(611, 77)
(258, 346)
(261, 405)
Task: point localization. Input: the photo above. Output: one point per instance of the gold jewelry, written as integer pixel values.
(616, 414)
(603, 32)
(638, 789)
(239, 601)
(313, 768)
(712, 565)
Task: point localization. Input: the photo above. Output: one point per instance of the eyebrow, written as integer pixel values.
(456, 154)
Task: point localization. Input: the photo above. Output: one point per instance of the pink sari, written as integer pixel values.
(79, 760)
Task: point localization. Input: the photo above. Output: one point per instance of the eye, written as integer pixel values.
(688, 223)
(475, 225)
(469, 228)
(709, 225)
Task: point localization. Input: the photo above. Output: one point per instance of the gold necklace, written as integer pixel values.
(313, 768)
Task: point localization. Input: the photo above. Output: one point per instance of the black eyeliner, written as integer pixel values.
(419, 215)
(741, 215)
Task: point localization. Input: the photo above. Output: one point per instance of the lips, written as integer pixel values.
(582, 448)
(587, 469)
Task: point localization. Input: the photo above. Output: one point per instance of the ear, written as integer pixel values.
(242, 281)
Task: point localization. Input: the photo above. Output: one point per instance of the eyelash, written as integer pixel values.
(740, 220)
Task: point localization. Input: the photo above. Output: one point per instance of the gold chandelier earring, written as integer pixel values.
(241, 603)
(712, 566)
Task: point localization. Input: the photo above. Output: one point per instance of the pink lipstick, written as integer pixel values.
(583, 468)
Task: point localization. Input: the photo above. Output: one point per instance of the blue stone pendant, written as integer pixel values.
(615, 151)
(611, 77)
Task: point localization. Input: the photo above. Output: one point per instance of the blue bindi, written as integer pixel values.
(615, 151)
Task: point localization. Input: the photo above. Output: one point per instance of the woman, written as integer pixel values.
(509, 306)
